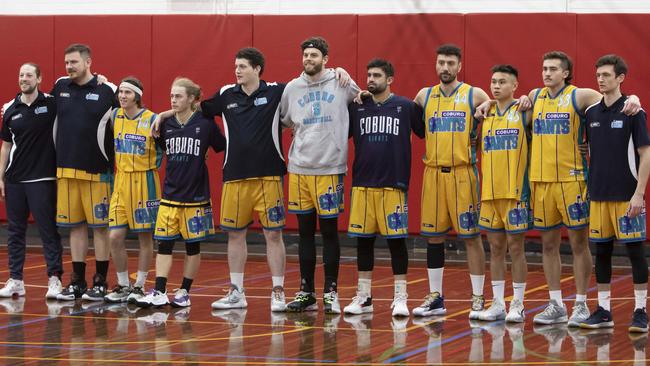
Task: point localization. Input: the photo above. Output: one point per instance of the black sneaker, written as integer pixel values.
(304, 301)
(74, 290)
(639, 321)
(600, 318)
(98, 291)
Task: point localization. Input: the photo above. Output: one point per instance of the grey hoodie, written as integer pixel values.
(318, 113)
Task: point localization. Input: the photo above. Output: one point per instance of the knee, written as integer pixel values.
(551, 248)
(273, 237)
(165, 247)
(498, 249)
(605, 249)
(581, 248)
(193, 248)
(474, 243)
(115, 237)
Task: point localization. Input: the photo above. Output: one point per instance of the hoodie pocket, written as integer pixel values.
(315, 149)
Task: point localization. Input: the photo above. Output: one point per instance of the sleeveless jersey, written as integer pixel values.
(135, 149)
(557, 130)
(504, 155)
(450, 125)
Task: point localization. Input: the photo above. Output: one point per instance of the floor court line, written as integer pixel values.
(469, 332)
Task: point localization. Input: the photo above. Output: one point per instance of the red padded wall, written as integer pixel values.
(158, 48)
(624, 34)
(25, 39)
(517, 39)
(121, 45)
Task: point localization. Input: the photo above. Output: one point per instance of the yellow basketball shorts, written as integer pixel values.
(135, 201)
(241, 198)
(378, 210)
(511, 216)
(323, 193)
(608, 220)
(560, 203)
(189, 221)
(450, 199)
(83, 201)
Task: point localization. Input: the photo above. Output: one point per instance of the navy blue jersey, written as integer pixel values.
(252, 129)
(382, 141)
(613, 142)
(186, 147)
(84, 138)
(30, 129)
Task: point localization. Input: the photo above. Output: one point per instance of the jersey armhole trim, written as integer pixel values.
(426, 101)
(574, 102)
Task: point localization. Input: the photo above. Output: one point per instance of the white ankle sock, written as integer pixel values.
(477, 284)
(123, 278)
(518, 290)
(435, 279)
(237, 279)
(604, 298)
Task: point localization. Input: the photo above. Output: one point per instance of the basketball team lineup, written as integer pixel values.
(86, 156)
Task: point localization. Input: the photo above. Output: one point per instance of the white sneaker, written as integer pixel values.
(496, 311)
(331, 303)
(579, 314)
(235, 299)
(181, 299)
(54, 287)
(153, 298)
(278, 300)
(516, 313)
(399, 305)
(361, 304)
(13, 287)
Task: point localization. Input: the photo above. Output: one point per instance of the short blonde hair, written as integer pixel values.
(191, 88)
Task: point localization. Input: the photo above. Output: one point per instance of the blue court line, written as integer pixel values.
(27, 322)
(71, 349)
(469, 332)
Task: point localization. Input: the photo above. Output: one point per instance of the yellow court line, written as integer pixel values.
(226, 362)
(34, 267)
(202, 322)
(156, 341)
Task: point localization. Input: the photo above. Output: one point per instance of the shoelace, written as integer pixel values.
(301, 297)
(549, 310)
(477, 303)
(277, 295)
(428, 300)
(328, 298)
(398, 298)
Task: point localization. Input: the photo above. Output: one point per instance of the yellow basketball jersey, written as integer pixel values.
(135, 149)
(504, 155)
(450, 125)
(557, 130)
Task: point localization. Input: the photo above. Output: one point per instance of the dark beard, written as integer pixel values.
(315, 70)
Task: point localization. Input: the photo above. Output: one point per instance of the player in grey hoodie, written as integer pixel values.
(315, 106)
